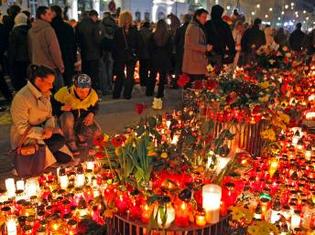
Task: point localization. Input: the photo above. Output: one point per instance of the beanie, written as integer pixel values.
(20, 19)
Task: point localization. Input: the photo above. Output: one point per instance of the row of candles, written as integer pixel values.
(284, 186)
(55, 204)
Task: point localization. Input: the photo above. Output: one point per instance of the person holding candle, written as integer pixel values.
(32, 116)
(76, 107)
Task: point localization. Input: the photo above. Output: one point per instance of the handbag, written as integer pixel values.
(29, 160)
(129, 52)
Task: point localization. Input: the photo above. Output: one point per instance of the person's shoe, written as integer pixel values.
(157, 104)
(73, 148)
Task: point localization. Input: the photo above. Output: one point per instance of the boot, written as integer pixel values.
(157, 104)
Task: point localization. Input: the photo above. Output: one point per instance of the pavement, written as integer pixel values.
(113, 116)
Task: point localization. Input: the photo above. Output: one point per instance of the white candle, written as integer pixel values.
(275, 216)
(211, 199)
(31, 187)
(20, 185)
(64, 181)
(308, 155)
(170, 216)
(295, 220)
(90, 165)
(10, 186)
(11, 226)
(79, 180)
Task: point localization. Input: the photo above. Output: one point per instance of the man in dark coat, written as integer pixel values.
(18, 52)
(252, 40)
(66, 38)
(179, 42)
(220, 36)
(297, 38)
(4, 89)
(145, 34)
(89, 35)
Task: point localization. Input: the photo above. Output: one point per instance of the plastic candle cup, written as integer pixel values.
(20, 185)
(11, 226)
(79, 180)
(201, 219)
(274, 163)
(295, 220)
(211, 200)
(10, 187)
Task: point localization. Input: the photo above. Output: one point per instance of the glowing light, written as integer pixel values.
(286, 6)
(266, 16)
(270, 9)
(228, 7)
(282, 12)
(258, 5)
(253, 13)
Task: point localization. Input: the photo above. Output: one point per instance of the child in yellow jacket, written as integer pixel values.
(76, 107)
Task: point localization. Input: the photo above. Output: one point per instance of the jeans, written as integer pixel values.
(91, 68)
(18, 74)
(73, 128)
(123, 81)
(152, 81)
(4, 88)
(144, 71)
(106, 73)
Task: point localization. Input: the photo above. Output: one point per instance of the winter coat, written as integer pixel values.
(18, 50)
(146, 35)
(161, 55)
(179, 41)
(4, 35)
(121, 49)
(195, 60)
(43, 46)
(89, 35)
(281, 38)
(80, 108)
(220, 36)
(30, 108)
(253, 37)
(66, 39)
(296, 40)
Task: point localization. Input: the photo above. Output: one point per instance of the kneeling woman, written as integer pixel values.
(31, 112)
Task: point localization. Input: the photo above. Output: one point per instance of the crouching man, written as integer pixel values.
(76, 107)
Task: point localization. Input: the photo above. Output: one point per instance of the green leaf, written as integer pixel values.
(152, 122)
(190, 139)
(140, 130)
(139, 175)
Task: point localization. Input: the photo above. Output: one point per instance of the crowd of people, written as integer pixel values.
(108, 49)
(81, 61)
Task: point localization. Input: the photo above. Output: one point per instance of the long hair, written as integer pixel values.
(161, 34)
(125, 19)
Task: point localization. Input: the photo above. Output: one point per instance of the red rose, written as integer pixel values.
(212, 84)
(183, 80)
(140, 108)
(118, 141)
(98, 140)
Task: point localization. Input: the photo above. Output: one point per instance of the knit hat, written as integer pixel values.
(20, 19)
(82, 81)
